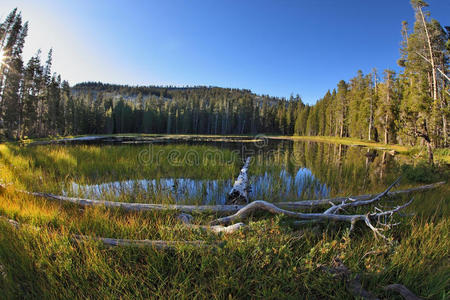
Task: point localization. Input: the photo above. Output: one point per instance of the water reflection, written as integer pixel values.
(268, 186)
(280, 171)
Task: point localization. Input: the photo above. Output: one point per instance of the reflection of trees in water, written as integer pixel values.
(347, 169)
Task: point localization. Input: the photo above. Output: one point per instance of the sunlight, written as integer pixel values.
(2, 57)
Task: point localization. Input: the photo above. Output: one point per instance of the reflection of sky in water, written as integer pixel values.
(267, 187)
(302, 185)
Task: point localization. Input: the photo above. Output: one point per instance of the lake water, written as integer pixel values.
(281, 170)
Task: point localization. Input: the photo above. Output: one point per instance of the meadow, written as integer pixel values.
(270, 258)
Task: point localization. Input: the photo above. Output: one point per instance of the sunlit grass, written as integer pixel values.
(269, 259)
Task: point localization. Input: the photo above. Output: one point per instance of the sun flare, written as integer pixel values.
(2, 56)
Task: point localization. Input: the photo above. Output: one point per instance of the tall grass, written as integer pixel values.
(270, 259)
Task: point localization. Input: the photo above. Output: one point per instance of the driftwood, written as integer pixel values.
(156, 244)
(239, 192)
(215, 208)
(331, 214)
(138, 206)
(349, 202)
(269, 207)
(338, 200)
(186, 220)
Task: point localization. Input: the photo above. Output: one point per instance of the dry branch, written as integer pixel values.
(186, 220)
(326, 216)
(156, 244)
(338, 200)
(352, 202)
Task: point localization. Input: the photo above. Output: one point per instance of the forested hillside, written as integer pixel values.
(407, 108)
(199, 110)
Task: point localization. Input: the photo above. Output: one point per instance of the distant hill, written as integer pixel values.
(128, 92)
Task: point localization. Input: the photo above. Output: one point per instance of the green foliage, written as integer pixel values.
(423, 172)
(269, 259)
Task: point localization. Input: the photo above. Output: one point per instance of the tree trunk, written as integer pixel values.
(239, 193)
(430, 151)
(386, 140)
(433, 68)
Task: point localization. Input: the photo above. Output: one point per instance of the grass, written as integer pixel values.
(46, 167)
(440, 155)
(269, 259)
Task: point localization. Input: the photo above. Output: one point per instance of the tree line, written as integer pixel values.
(407, 108)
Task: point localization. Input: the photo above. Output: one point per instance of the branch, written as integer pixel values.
(427, 60)
(269, 207)
(352, 202)
(156, 244)
(186, 220)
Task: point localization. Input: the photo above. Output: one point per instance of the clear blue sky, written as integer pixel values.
(273, 47)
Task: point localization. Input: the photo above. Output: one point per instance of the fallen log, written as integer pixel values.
(213, 208)
(156, 244)
(331, 214)
(314, 203)
(239, 192)
(186, 220)
(139, 206)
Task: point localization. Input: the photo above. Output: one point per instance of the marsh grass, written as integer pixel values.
(270, 259)
(54, 168)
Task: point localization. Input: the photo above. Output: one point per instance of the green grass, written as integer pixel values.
(45, 167)
(440, 155)
(270, 259)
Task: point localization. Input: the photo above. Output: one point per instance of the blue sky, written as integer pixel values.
(273, 47)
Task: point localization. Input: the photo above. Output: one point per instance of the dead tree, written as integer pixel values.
(239, 192)
(379, 217)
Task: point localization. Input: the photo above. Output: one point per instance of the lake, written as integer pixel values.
(201, 172)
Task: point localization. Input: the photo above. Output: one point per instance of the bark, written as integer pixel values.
(186, 220)
(430, 49)
(239, 192)
(156, 244)
(352, 219)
